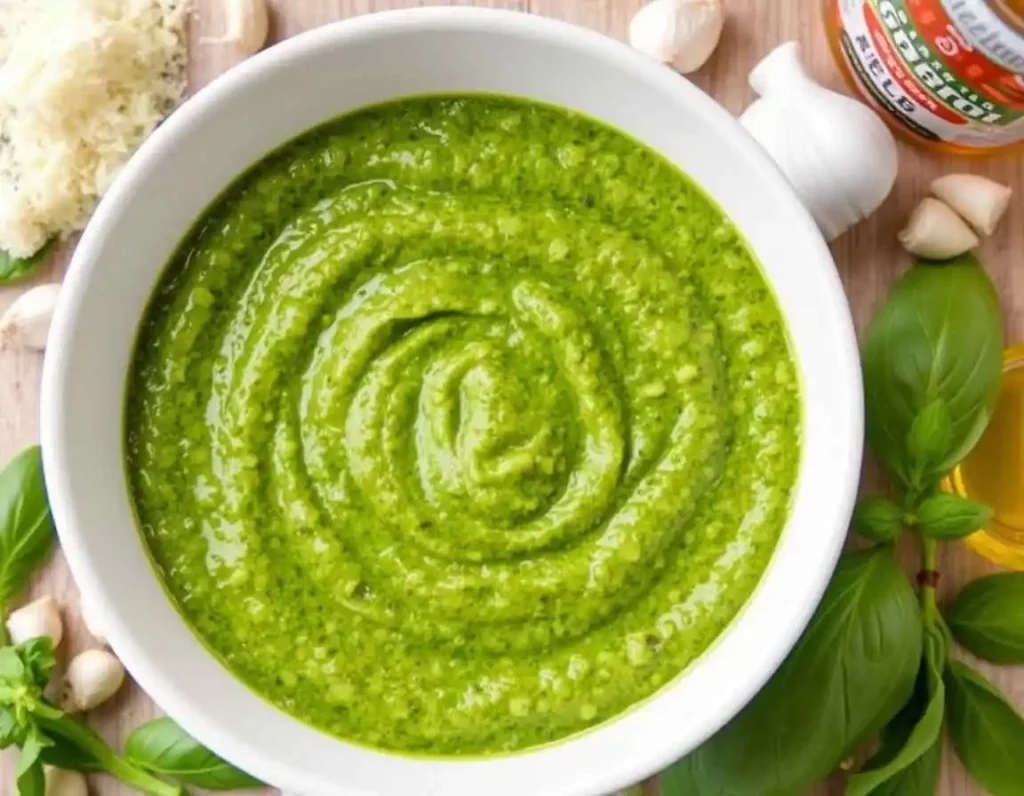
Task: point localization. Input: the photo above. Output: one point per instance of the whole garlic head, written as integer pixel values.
(681, 33)
(838, 155)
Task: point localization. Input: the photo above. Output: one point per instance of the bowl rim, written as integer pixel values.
(150, 674)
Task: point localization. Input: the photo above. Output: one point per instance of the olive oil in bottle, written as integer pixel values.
(993, 473)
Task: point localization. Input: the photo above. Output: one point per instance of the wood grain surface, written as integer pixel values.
(868, 260)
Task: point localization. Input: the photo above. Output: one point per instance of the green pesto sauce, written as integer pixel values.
(461, 424)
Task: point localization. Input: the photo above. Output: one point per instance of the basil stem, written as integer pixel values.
(85, 739)
(929, 562)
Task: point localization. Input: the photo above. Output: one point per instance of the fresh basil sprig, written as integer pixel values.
(987, 733)
(162, 747)
(850, 673)
(932, 367)
(28, 720)
(987, 617)
(14, 268)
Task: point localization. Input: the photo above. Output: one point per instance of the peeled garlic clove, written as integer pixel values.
(92, 678)
(60, 782)
(978, 199)
(837, 154)
(27, 321)
(39, 618)
(248, 23)
(682, 33)
(936, 232)
(89, 619)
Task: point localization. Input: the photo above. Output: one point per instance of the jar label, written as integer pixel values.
(948, 70)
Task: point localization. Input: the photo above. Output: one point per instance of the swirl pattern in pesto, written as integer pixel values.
(461, 424)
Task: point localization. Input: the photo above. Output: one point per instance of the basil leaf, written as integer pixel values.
(920, 778)
(162, 747)
(10, 731)
(31, 781)
(928, 440)
(678, 781)
(26, 528)
(39, 659)
(987, 617)
(12, 667)
(854, 668)
(938, 335)
(916, 730)
(987, 733)
(878, 519)
(14, 268)
(946, 517)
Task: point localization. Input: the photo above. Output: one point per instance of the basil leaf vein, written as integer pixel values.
(162, 747)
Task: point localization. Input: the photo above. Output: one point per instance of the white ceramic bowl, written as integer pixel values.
(271, 98)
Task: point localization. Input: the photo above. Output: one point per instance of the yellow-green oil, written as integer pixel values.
(993, 473)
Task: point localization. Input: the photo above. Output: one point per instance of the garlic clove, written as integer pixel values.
(248, 24)
(38, 618)
(978, 199)
(652, 30)
(840, 158)
(682, 33)
(60, 782)
(93, 677)
(27, 321)
(936, 232)
(91, 622)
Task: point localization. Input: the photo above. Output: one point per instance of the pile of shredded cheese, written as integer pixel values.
(82, 83)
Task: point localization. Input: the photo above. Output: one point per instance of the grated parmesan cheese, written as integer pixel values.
(82, 83)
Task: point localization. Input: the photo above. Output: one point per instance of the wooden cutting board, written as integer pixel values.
(869, 259)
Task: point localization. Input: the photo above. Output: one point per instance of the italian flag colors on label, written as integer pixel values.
(949, 70)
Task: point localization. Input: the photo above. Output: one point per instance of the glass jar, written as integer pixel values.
(945, 74)
(993, 472)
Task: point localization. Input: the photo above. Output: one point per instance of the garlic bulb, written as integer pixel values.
(248, 23)
(27, 321)
(93, 677)
(978, 199)
(837, 154)
(39, 618)
(682, 33)
(936, 232)
(60, 782)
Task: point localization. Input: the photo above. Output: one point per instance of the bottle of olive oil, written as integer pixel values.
(994, 471)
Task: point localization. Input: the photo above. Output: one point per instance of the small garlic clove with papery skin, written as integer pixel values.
(978, 199)
(38, 618)
(936, 232)
(248, 23)
(60, 782)
(93, 677)
(27, 321)
(681, 33)
(837, 154)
